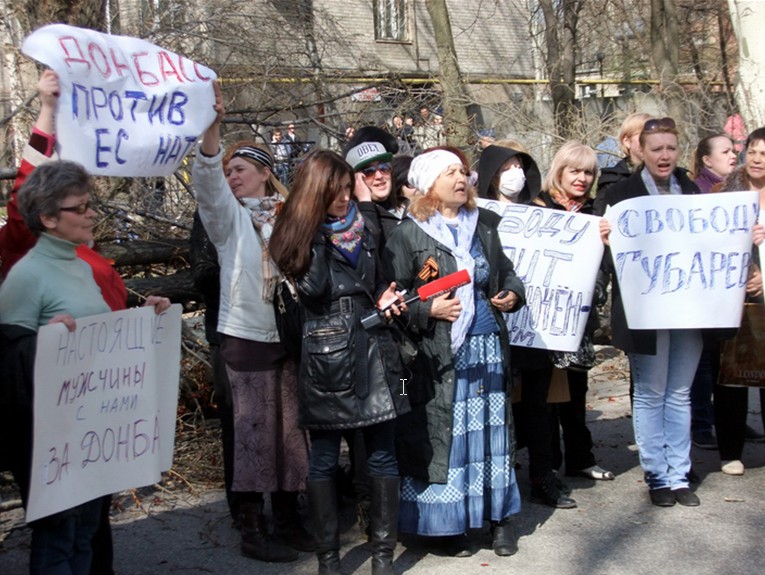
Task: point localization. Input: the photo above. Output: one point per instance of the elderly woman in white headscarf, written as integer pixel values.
(455, 448)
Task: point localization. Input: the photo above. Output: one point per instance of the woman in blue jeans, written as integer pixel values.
(662, 362)
(350, 374)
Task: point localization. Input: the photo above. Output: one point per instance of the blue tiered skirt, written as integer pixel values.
(481, 483)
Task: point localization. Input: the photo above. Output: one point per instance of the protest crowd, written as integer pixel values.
(370, 297)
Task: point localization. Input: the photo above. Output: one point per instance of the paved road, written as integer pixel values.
(614, 531)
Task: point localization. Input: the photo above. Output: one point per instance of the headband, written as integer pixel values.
(263, 158)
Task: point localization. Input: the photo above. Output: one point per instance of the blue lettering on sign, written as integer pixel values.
(673, 271)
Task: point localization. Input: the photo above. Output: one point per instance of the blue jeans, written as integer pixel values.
(661, 407)
(379, 441)
(61, 543)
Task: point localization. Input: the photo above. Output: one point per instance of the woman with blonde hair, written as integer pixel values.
(239, 196)
(456, 447)
(629, 143)
(567, 187)
(662, 362)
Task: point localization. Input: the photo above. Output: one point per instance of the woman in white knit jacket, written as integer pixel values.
(238, 198)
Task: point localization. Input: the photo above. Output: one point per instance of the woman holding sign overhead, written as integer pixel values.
(456, 447)
(238, 197)
(662, 362)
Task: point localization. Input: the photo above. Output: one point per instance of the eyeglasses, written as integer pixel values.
(382, 167)
(79, 209)
(660, 125)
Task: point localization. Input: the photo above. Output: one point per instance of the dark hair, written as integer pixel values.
(755, 136)
(399, 178)
(47, 187)
(704, 148)
(316, 185)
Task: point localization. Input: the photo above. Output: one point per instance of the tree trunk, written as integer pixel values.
(747, 17)
(144, 252)
(457, 126)
(561, 19)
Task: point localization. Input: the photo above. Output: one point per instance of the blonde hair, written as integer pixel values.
(273, 185)
(632, 125)
(573, 154)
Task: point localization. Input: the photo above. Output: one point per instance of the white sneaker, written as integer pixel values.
(734, 467)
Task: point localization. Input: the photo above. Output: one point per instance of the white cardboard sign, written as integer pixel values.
(127, 107)
(557, 255)
(105, 404)
(682, 261)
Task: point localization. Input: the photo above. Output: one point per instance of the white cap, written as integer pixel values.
(361, 156)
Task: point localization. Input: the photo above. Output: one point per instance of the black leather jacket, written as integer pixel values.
(350, 377)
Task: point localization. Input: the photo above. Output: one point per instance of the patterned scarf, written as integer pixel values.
(263, 213)
(438, 229)
(571, 204)
(345, 233)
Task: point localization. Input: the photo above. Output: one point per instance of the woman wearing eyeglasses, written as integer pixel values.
(50, 284)
(662, 362)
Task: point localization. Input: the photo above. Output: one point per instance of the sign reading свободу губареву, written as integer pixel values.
(105, 403)
(557, 255)
(127, 107)
(682, 261)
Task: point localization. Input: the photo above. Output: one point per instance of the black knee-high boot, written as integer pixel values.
(288, 527)
(322, 501)
(384, 523)
(257, 542)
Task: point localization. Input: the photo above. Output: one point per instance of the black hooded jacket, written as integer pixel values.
(490, 162)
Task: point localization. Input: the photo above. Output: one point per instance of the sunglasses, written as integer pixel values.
(79, 209)
(660, 125)
(382, 167)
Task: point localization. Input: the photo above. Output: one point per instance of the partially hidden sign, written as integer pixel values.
(682, 261)
(557, 255)
(105, 403)
(127, 107)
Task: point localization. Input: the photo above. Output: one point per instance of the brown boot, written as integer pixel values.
(256, 541)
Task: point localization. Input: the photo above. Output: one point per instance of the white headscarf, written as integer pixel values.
(425, 168)
(423, 173)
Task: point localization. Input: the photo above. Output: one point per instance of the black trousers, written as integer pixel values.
(571, 417)
(533, 420)
(226, 415)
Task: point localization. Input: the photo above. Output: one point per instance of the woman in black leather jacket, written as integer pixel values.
(349, 374)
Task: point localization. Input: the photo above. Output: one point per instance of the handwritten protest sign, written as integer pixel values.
(127, 107)
(557, 255)
(683, 261)
(105, 402)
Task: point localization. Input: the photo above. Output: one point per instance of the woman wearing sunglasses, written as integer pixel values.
(370, 153)
(662, 362)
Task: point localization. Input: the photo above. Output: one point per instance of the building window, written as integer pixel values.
(392, 20)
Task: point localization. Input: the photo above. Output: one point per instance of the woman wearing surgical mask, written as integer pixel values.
(508, 175)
